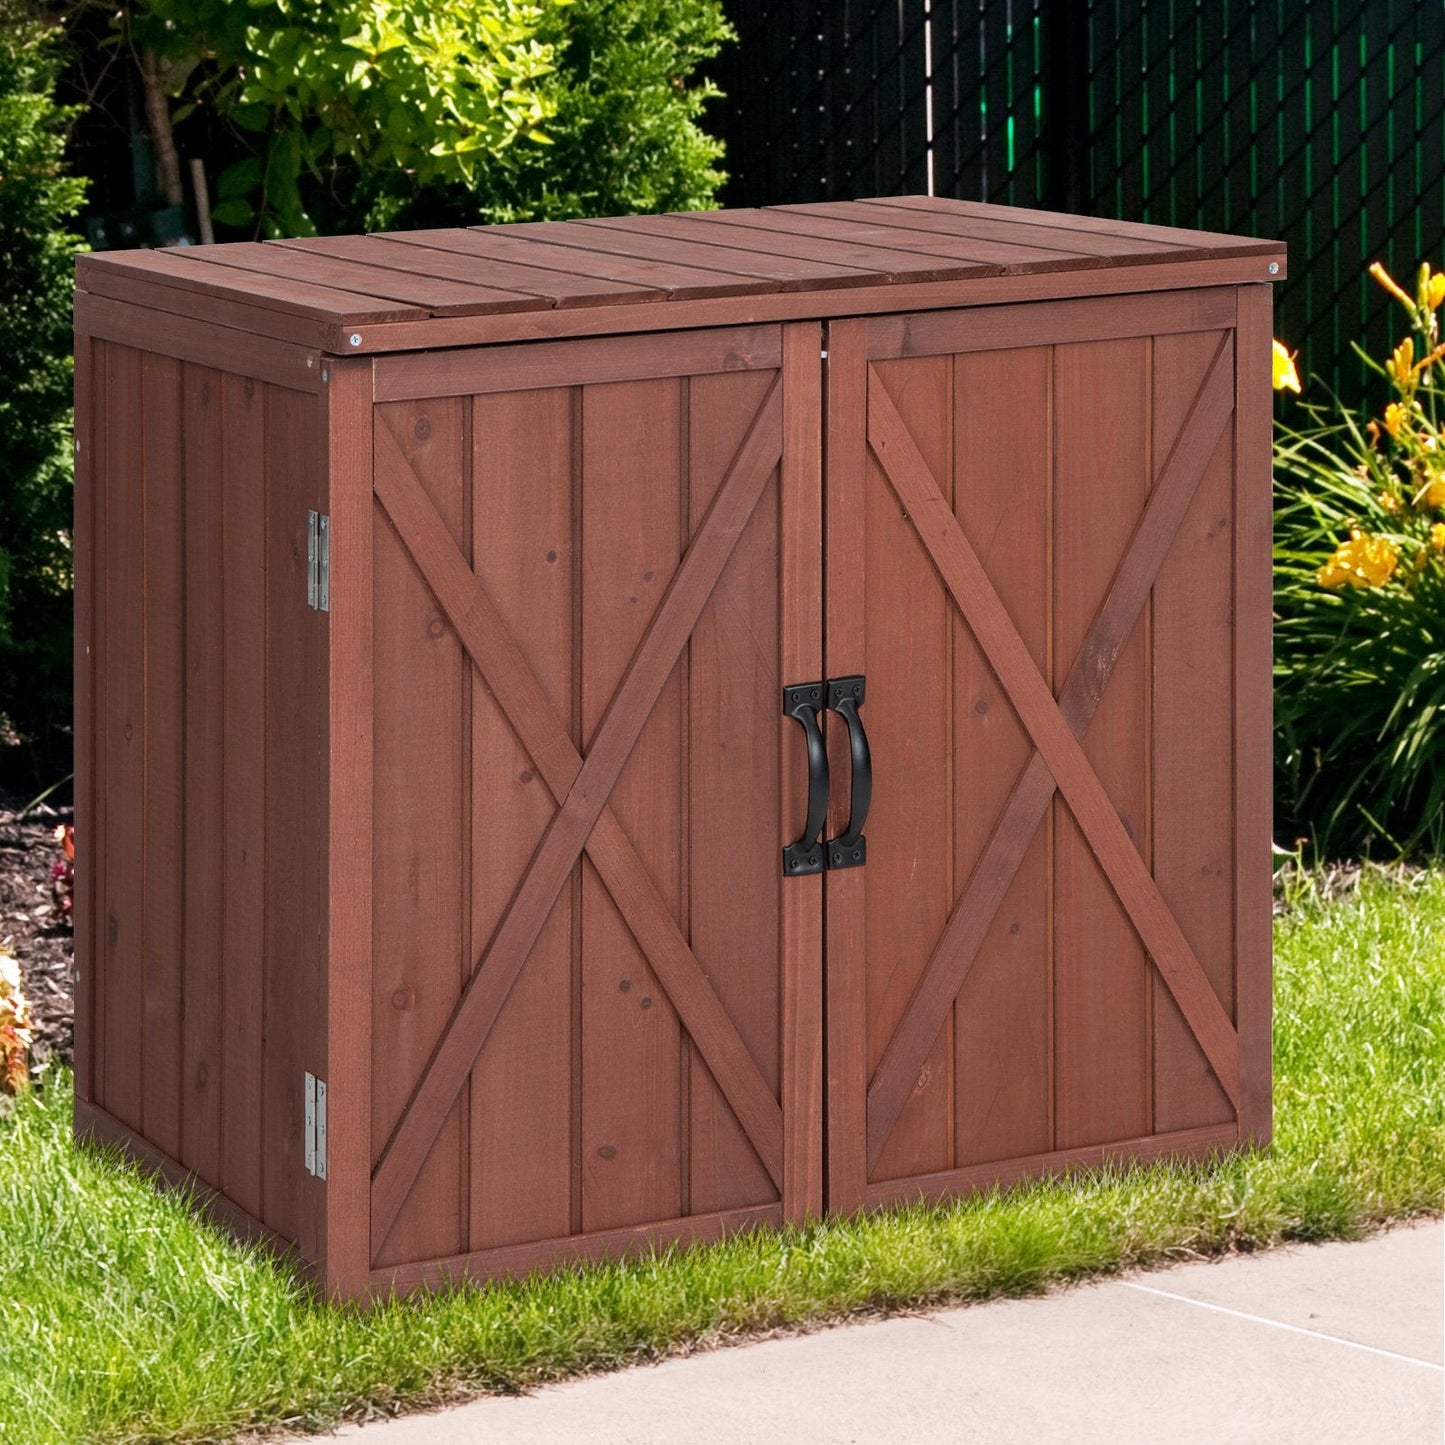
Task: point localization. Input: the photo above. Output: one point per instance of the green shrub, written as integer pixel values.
(1360, 607)
(37, 251)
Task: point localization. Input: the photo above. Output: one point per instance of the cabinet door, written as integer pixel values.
(1036, 534)
(597, 999)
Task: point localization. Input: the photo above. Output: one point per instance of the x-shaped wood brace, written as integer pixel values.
(1055, 728)
(583, 820)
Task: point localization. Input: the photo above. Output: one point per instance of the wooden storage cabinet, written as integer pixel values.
(436, 598)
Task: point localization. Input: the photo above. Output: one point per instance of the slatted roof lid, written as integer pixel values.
(342, 286)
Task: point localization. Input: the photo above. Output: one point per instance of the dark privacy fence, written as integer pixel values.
(1321, 122)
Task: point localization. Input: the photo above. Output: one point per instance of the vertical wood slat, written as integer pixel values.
(164, 632)
(1101, 450)
(417, 760)
(909, 875)
(1253, 520)
(801, 655)
(732, 788)
(632, 524)
(89, 703)
(1002, 497)
(523, 554)
(845, 893)
(246, 512)
(202, 982)
(350, 836)
(1192, 616)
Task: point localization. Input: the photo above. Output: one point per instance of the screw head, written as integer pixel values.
(1274, 268)
(355, 338)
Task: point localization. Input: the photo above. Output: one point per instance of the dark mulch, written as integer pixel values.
(32, 925)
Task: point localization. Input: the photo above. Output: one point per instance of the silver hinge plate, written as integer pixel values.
(315, 1126)
(318, 561)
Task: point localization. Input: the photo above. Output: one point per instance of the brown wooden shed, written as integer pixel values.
(609, 732)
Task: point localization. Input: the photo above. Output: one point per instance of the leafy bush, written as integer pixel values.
(1360, 606)
(37, 200)
(369, 114)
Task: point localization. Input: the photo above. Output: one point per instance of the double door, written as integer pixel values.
(623, 988)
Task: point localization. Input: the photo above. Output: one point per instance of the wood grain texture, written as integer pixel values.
(845, 963)
(349, 666)
(200, 1081)
(1101, 981)
(1002, 496)
(1192, 628)
(245, 509)
(523, 1133)
(1253, 514)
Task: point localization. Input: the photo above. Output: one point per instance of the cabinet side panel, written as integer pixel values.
(421, 819)
(164, 779)
(633, 532)
(1002, 497)
(295, 830)
(202, 980)
(522, 1087)
(1101, 450)
(732, 852)
(245, 510)
(1193, 761)
(120, 743)
(909, 875)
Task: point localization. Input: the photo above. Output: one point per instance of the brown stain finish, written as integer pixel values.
(493, 846)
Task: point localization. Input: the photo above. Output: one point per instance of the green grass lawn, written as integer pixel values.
(123, 1319)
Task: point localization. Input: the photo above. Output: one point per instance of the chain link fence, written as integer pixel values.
(1321, 122)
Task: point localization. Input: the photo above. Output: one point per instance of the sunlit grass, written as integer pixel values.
(121, 1318)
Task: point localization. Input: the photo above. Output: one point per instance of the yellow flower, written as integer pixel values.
(1286, 378)
(1363, 561)
(1388, 501)
(1395, 416)
(1399, 366)
(1432, 494)
(1435, 290)
(1437, 536)
(1387, 281)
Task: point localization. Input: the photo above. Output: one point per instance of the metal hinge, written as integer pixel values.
(318, 561)
(315, 1126)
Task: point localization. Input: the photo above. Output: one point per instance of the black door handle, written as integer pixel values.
(850, 849)
(804, 702)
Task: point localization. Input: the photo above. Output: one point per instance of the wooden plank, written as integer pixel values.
(1059, 750)
(958, 948)
(733, 679)
(193, 269)
(586, 801)
(245, 511)
(460, 256)
(1193, 765)
(290, 986)
(998, 328)
(975, 290)
(202, 979)
(422, 809)
(909, 880)
(801, 658)
(521, 529)
(164, 630)
(634, 524)
(1211, 243)
(1003, 1016)
(200, 343)
(551, 364)
(846, 894)
(88, 545)
(1207, 1143)
(439, 295)
(1252, 710)
(1101, 979)
(347, 981)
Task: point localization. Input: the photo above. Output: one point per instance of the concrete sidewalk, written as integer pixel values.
(1316, 1344)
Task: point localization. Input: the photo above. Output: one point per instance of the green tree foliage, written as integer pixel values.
(366, 114)
(37, 251)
